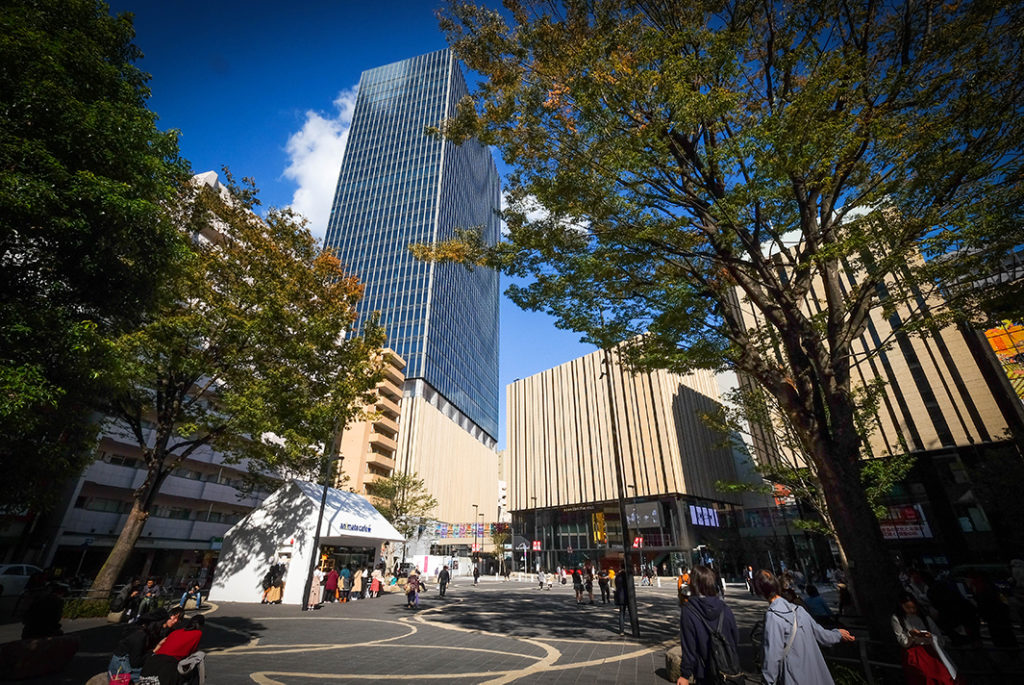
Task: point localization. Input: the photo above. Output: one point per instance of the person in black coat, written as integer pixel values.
(137, 642)
(704, 611)
(443, 578)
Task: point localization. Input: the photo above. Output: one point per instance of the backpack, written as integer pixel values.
(723, 663)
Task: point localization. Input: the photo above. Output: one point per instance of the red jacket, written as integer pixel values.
(180, 643)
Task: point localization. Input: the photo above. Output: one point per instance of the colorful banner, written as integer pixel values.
(468, 530)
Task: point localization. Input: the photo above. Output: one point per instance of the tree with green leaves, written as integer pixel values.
(85, 244)
(743, 183)
(755, 427)
(500, 537)
(403, 499)
(253, 356)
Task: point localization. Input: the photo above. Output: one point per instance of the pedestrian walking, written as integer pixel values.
(357, 585)
(376, 582)
(708, 635)
(621, 598)
(331, 585)
(588, 581)
(412, 590)
(791, 638)
(345, 577)
(443, 578)
(313, 601)
(924, 660)
(577, 585)
(476, 574)
(603, 584)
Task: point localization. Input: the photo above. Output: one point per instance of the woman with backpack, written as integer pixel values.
(791, 638)
(707, 634)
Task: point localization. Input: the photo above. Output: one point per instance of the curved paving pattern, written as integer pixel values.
(494, 633)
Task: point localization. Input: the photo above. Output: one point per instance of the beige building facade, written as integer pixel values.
(565, 427)
(945, 402)
(368, 447)
(458, 469)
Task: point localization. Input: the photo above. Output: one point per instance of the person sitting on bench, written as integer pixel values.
(194, 592)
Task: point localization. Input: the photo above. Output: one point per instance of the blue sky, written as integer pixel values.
(266, 89)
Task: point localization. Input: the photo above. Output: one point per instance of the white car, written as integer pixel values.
(14, 577)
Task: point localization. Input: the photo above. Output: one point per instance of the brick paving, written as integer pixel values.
(495, 633)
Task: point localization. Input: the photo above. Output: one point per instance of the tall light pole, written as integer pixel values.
(476, 507)
(620, 487)
(480, 554)
(534, 500)
(639, 534)
(331, 453)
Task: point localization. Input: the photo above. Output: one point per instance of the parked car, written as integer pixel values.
(14, 577)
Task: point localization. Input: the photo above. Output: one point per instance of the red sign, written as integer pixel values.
(905, 522)
(536, 545)
(638, 541)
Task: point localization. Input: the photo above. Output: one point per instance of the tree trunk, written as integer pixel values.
(870, 570)
(112, 567)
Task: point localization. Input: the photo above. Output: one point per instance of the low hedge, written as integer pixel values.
(86, 608)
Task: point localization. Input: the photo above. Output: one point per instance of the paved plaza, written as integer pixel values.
(497, 632)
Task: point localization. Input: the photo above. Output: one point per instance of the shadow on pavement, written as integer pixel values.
(553, 616)
(97, 644)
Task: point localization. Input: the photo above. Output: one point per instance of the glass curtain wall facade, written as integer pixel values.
(399, 186)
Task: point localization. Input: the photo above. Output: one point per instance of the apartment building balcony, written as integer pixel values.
(383, 441)
(394, 375)
(387, 406)
(385, 425)
(382, 460)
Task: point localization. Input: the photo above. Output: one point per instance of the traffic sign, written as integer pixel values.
(536, 545)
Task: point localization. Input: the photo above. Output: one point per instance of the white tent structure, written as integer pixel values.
(281, 530)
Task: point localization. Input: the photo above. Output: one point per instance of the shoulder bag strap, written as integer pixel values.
(792, 638)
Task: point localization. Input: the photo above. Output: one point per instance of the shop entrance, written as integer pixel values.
(341, 556)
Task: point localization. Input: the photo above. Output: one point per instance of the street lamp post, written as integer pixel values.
(479, 554)
(330, 455)
(620, 487)
(473, 554)
(534, 500)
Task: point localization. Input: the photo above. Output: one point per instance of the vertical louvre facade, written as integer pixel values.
(936, 392)
(399, 186)
(560, 437)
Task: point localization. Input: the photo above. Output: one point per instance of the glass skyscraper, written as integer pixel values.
(399, 186)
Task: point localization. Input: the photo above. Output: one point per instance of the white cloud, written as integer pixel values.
(534, 211)
(314, 154)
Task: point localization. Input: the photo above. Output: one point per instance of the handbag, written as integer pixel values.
(121, 677)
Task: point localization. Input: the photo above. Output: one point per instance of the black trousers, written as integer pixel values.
(441, 587)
